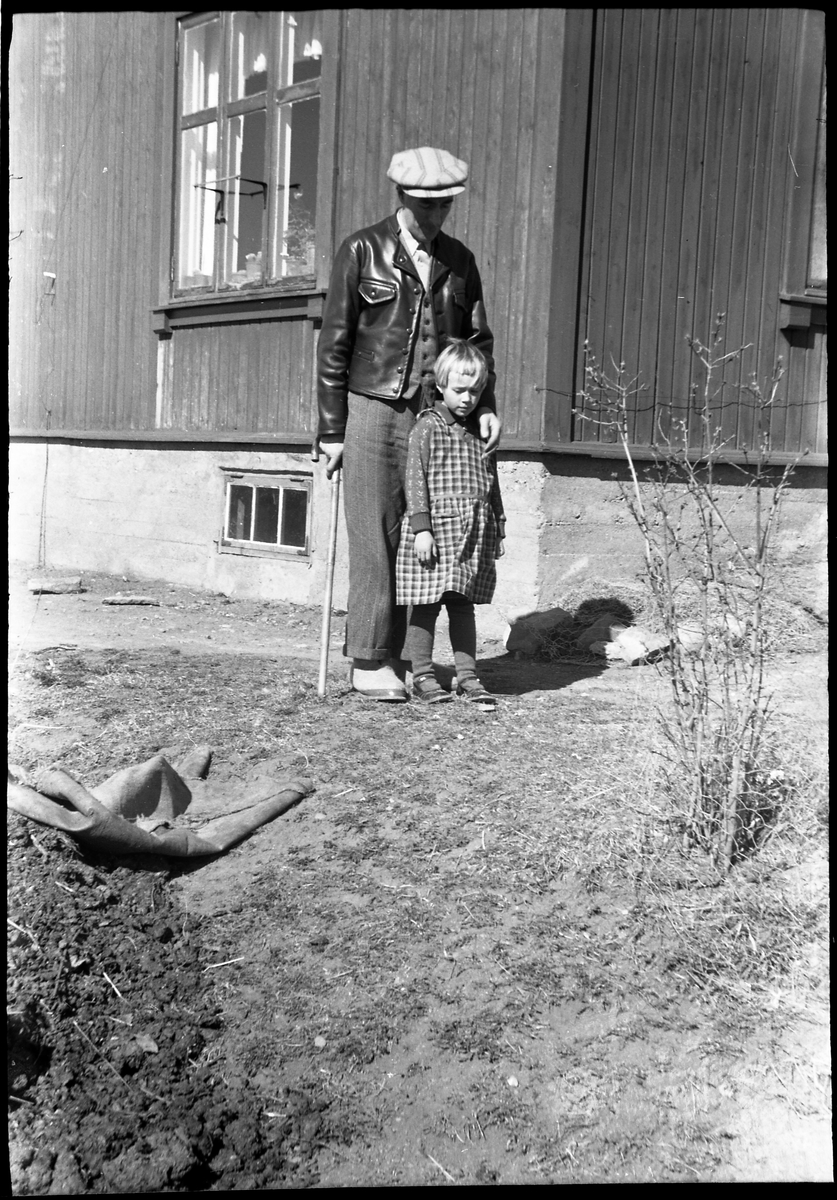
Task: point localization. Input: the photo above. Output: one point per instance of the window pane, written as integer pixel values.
(294, 518)
(818, 255)
(245, 198)
(300, 47)
(296, 197)
(240, 511)
(200, 66)
(249, 54)
(200, 206)
(267, 515)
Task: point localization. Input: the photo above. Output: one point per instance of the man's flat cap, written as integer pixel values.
(427, 172)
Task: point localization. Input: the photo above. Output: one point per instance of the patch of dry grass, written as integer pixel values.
(140, 702)
(497, 868)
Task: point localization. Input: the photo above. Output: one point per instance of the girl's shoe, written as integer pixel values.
(428, 689)
(471, 689)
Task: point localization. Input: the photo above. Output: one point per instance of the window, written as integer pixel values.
(266, 513)
(805, 269)
(817, 254)
(248, 103)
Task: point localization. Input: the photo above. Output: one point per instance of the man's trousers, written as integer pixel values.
(374, 472)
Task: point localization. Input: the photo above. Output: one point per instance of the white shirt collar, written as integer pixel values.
(410, 242)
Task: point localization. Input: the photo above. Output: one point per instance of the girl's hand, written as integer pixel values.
(426, 548)
(500, 549)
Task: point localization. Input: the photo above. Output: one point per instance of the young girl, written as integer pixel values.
(454, 526)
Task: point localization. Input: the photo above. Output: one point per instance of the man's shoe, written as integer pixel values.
(375, 680)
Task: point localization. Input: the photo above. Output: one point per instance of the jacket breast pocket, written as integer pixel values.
(460, 299)
(376, 291)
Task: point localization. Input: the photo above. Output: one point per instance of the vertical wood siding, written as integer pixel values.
(630, 220)
(84, 129)
(689, 162)
(246, 377)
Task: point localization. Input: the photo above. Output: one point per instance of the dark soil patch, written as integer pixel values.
(113, 1017)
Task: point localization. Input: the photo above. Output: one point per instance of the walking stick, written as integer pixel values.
(329, 586)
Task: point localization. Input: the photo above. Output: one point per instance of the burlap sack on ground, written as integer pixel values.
(134, 811)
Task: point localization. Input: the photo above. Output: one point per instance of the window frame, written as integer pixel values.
(803, 303)
(310, 290)
(284, 480)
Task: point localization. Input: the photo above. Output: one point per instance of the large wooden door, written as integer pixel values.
(681, 200)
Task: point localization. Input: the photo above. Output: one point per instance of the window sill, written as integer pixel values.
(284, 552)
(230, 308)
(798, 311)
(815, 296)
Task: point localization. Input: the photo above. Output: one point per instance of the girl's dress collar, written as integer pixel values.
(449, 419)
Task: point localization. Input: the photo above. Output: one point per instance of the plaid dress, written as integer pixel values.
(449, 477)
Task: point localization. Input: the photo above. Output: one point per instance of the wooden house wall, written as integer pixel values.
(690, 161)
(668, 207)
(84, 156)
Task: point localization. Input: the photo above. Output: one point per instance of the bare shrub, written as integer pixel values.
(708, 564)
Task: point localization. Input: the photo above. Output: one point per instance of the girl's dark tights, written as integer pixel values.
(463, 635)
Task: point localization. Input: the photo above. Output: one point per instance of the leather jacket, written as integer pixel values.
(369, 318)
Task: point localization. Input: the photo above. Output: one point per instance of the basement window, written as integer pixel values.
(266, 514)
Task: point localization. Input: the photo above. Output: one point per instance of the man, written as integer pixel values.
(399, 291)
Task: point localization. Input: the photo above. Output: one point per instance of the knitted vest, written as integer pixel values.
(425, 349)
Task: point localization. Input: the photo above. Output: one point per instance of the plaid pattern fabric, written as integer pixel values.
(448, 476)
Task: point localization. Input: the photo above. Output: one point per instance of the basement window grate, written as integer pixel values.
(266, 514)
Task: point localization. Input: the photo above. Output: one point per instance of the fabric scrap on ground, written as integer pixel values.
(133, 812)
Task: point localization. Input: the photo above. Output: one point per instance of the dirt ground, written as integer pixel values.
(474, 954)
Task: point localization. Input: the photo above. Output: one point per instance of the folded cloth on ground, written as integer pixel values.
(133, 811)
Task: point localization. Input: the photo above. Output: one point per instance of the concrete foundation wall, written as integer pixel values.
(589, 537)
(157, 514)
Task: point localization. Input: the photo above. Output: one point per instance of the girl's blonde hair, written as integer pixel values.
(461, 356)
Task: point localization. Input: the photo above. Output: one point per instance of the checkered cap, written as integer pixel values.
(427, 172)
